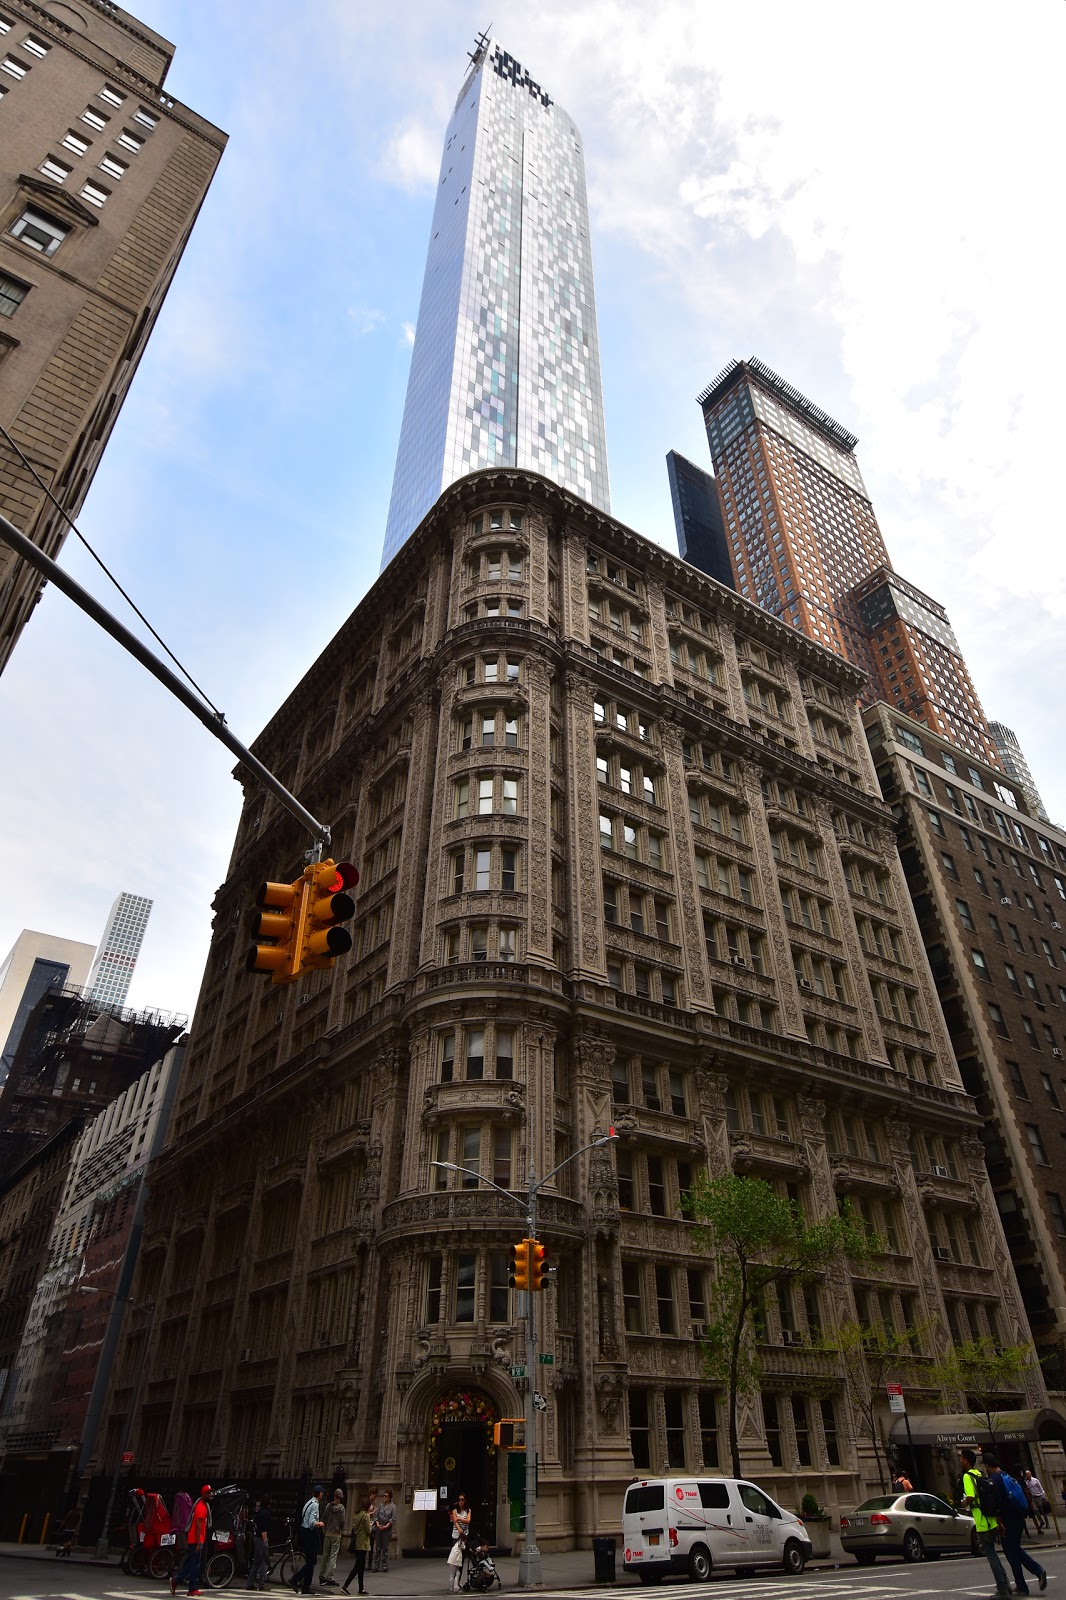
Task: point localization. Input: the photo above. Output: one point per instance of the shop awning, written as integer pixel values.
(965, 1428)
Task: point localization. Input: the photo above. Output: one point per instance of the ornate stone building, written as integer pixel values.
(624, 861)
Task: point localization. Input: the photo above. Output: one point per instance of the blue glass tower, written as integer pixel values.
(506, 364)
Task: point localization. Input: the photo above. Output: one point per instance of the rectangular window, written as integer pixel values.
(38, 231)
(465, 1268)
(632, 1302)
(470, 1157)
(74, 143)
(447, 1057)
(95, 193)
(626, 1188)
(434, 1272)
(639, 1428)
(510, 797)
(656, 1187)
(664, 1297)
(499, 1292)
(1036, 1144)
(674, 1415)
(508, 944)
(111, 97)
(772, 1428)
(130, 141)
(501, 1157)
(114, 167)
(479, 944)
(708, 1409)
(482, 868)
(475, 1053)
(484, 797)
(14, 69)
(508, 870)
(12, 294)
(95, 119)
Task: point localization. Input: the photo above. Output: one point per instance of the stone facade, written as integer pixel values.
(621, 848)
(90, 142)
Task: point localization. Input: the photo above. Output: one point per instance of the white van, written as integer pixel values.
(696, 1525)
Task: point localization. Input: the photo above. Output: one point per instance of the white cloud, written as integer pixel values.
(411, 157)
(408, 332)
(365, 321)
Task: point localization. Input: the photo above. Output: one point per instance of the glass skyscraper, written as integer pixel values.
(117, 952)
(506, 365)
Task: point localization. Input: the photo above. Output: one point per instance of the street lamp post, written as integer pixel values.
(102, 1544)
(529, 1564)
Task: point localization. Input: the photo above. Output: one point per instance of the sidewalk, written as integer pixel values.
(565, 1569)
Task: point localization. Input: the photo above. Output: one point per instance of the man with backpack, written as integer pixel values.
(981, 1498)
(1012, 1512)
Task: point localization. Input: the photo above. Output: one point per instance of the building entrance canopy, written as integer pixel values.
(966, 1428)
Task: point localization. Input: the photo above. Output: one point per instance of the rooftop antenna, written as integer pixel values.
(480, 45)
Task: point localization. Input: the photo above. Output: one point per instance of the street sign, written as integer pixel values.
(539, 1403)
(127, 1458)
(546, 1358)
(518, 1372)
(896, 1402)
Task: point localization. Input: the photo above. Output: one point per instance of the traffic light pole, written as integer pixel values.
(214, 722)
(530, 1574)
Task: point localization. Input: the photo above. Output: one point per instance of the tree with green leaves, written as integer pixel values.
(983, 1371)
(759, 1240)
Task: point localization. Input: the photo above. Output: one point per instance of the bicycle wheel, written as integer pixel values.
(138, 1567)
(219, 1570)
(287, 1568)
(161, 1563)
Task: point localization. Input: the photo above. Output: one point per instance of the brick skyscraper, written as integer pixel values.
(805, 544)
(102, 175)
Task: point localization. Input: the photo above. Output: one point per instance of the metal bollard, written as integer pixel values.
(22, 1530)
(44, 1529)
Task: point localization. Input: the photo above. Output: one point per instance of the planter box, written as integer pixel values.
(818, 1533)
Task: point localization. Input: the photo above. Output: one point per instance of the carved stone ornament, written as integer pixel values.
(610, 1392)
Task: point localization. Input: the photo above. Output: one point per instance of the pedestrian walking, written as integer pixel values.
(1012, 1508)
(384, 1523)
(359, 1545)
(69, 1530)
(981, 1502)
(1038, 1495)
(310, 1541)
(901, 1483)
(259, 1571)
(459, 1516)
(333, 1519)
(197, 1535)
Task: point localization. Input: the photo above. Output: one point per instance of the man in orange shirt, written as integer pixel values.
(198, 1535)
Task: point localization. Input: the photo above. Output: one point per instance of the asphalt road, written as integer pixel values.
(962, 1578)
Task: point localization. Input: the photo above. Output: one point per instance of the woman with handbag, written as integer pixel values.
(359, 1546)
(460, 1520)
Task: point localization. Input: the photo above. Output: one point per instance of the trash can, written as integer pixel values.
(603, 1554)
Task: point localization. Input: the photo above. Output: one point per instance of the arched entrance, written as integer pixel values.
(462, 1460)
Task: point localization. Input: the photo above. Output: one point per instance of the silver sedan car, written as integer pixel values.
(915, 1526)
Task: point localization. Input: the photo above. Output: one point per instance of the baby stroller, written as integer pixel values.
(481, 1571)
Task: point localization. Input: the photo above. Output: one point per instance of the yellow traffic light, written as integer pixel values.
(327, 906)
(276, 928)
(518, 1277)
(538, 1264)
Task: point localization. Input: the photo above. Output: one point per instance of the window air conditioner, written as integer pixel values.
(1057, 926)
(941, 1252)
(738, 961)
(1056, 1053)
(941, 1172)
(1005, 900)
(805, 983)
(791, 1336)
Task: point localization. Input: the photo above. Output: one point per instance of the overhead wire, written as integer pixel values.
(107, 573)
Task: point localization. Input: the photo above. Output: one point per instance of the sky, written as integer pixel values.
(866, 198)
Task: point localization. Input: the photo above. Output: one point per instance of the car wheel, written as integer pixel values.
(699, 1563)
(913, 1548)
(794, 1560)
(866, 1558)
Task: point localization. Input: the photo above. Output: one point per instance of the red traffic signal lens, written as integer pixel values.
(344, 876)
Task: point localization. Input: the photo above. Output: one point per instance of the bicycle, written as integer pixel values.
(287, 1562)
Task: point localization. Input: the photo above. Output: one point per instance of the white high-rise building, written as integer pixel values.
(506, 364)
(117, 952)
